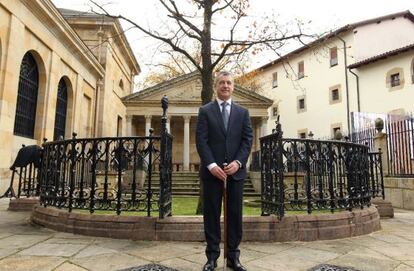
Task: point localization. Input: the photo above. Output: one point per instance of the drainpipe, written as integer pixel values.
(346, 85)
(357, 85)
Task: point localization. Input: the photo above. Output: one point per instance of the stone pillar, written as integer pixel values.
(129, 131)
(263, 130)
(257, 134)
(186, 143)
(380, 142)
(147, 124)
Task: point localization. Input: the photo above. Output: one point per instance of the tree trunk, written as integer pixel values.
(206, 75)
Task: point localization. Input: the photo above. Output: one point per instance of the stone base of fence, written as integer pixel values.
(400, 192)
(384, 207)
(23, 204)
(255, 228)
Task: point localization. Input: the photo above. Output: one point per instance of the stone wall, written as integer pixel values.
(179, 228)
(400, 191)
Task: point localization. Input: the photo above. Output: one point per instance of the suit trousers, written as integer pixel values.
(213, 193)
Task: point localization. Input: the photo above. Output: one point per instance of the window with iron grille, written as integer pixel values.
(395, 79)
(61, 108)
(25, 118)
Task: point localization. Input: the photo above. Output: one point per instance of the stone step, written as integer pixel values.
(187, 184)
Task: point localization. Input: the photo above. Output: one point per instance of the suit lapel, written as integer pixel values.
(219, 117)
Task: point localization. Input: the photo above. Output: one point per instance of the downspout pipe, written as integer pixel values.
(357, 87)
(346, 85)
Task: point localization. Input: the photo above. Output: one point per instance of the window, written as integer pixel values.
(301, 70)
(121, 84)
(25, 117)
(302, 103)
(274, 79)
(302, 135)
(333, 53)
(395, 79)
(61, 108)
(335, 94)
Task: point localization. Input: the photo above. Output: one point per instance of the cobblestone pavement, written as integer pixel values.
(29, 247)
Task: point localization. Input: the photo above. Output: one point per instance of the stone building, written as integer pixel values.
(61, 71)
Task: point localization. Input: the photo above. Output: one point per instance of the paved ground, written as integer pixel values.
(29, 247)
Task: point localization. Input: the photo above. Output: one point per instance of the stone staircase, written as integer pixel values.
(187, 184)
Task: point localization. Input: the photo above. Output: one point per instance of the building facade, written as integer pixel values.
(56, 80)
(316, 89)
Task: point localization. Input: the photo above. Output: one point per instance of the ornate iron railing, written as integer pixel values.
(307, 174)
(111, 173)
(376, 175)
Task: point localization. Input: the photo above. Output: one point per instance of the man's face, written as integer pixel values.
(224, 87)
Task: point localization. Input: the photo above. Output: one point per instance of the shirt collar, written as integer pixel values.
(220, 101)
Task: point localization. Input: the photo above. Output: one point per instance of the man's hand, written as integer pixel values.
(219, 173)
(231, 168)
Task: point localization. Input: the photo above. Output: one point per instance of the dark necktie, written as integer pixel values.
(225, 115)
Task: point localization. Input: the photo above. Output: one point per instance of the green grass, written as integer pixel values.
(186, 206)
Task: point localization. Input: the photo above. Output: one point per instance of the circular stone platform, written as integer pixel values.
(190, 228)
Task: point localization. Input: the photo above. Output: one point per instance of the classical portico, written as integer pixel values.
(143, 113)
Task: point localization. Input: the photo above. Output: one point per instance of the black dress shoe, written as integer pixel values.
(235, 265)
(210, 265)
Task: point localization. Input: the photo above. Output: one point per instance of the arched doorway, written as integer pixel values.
(25, 118)
(61, 110)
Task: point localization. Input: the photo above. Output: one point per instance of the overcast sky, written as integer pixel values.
(322, 14)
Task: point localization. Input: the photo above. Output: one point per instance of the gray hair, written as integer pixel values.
(221, 74)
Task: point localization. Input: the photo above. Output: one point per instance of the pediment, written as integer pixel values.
(187, 89)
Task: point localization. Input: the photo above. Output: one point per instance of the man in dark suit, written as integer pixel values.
(224, 139)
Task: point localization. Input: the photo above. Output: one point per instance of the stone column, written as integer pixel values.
(186, 143)
(263, 130)
(147, 124)
(257, 134)
(129, 131)
(380, 142)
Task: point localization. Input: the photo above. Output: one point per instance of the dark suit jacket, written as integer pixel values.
(214, 144)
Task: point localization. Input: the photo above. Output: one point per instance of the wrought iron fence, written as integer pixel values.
(365, 137)
(400, 143)
(376, 177)
(111, 173)
(307, 174)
